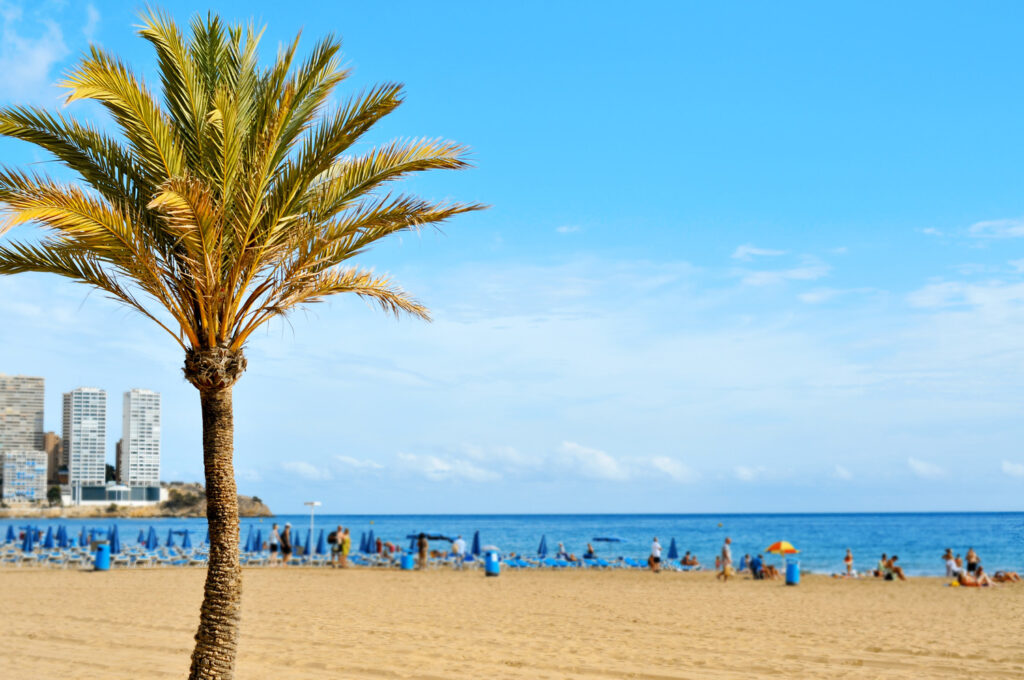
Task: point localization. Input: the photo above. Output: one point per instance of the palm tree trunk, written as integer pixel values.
(217, 637)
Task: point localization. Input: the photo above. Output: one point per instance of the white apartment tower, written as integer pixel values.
(85, 436)
(21, 413)
(139, 460)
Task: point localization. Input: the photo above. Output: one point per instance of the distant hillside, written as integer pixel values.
(189, 500)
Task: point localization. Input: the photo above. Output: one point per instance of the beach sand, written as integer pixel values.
(306, 623)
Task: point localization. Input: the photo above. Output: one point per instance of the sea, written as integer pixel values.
(919, 539)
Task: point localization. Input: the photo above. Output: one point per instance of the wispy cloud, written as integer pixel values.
(445, 468)
(349, 461)
(931, 231)
(29, 49)
(1013, 469)
(747, 473)
(676, 470)
(307, 471)
(568, 229)
(810, 270)
(92, 22)
(841, 472)
(749, 251)
(1005, 228)
(592, 463)
(924, 469)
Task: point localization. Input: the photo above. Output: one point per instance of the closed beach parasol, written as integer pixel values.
(170, 539)
(152, 542)
(542, 549)
(781, 548)
(186, 542)
(321, 544)
(142, 536)
(309, 540)
(48, 541)
(11, 538)
(115, 540)
(673, 551)
(475, 550)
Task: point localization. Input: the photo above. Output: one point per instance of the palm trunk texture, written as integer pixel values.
(217, 637)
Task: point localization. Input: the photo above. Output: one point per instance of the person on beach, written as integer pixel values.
(892, 569)
(959, 562)
(1006, 577)
(346, 546)
(757, 568)
(459, 549)
(423, 545)
(590, 554)
(978, 580)
(275, 543)
(952, 570)
(972, 561)
(562, 554)
(848, 561)
(286, 544)
(726, 560)
(335, 540)
(879, 571)
(655, 560)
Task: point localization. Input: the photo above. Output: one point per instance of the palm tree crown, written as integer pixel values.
(233, 201)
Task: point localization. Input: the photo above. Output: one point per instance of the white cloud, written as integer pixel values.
(842, 473)
(359, 464)
(439, 469)
(992, 295)
(676, 470)
(568, 229)
(1018, 265)
(1006, 228)
(924, 469)
(746, 473)
(27, 54)
(810, 270)
(818, 296)
(748, 251)
(1013, 469)
(931, 231)
(92, 22)
(306, 470)
(592, 463)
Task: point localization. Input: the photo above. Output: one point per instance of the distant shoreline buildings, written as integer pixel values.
(32, 461)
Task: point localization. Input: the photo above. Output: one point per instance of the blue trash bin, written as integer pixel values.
(792, 572)
(408, 561)
(492, 565)
(101, 562)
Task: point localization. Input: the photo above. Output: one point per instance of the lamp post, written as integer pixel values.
(312, 508)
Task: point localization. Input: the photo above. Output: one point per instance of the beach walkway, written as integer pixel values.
(318, 623)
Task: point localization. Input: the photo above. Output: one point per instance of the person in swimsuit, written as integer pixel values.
(892, 569)
(346, 546)
(848, 561)
(590, 554)
(1006, 577)
(879, 571)
(339, 533)
(424, 545)
(972, 561)
(286, 544)
(275, 542)
(726, 560)
(655, 560)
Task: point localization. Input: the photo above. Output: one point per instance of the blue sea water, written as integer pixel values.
(918, 538)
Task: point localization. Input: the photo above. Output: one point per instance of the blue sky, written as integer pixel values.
(741, 258)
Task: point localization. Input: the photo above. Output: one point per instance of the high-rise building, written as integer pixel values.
(24, 476)
(54, 456)
(85, 436)
(139, 454)
(120, 474)
(21, 413)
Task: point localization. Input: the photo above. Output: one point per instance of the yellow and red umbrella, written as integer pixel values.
(781, 548)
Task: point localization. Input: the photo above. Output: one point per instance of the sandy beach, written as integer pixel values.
(306, 623)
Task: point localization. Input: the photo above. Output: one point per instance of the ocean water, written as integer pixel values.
(918, 538)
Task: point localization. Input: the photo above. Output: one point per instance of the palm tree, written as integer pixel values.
(234, 201)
